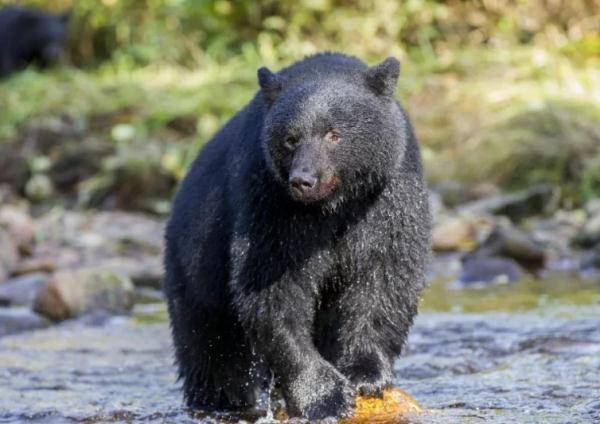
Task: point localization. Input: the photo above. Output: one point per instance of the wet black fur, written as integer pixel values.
(321, 293)
(30, 36)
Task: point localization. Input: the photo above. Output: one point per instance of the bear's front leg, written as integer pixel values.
(318, 391)
(279, 321)
(374, 316)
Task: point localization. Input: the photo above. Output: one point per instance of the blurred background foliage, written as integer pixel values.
(501, 91)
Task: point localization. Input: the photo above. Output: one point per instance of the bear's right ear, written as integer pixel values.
(382, 78)
(270, 84)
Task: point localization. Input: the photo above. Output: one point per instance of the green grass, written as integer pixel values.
(513, 117)
(522, 296)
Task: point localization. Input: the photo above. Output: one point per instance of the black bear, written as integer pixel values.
(298, 241)
(30, 36)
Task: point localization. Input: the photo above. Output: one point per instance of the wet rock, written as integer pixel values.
(71, 293)
(126, 243)
(34, 265)
(557, 232)
(481, 272)
(17, 320)
(19, 225)
(453, 234)
(9, 255)
(129, 230)
(590, 233)
(539, 200)
(459, 233)
(510, 242)
(21, 290)
(590, 265)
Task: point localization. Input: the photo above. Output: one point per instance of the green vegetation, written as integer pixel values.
(505, 91)
(527, 295)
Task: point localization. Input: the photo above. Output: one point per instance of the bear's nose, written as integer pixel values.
(302, 181)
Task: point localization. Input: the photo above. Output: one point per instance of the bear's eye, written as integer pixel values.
(333, 137)
(290, 142)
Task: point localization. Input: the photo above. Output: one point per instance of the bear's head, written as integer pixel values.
(335, 136)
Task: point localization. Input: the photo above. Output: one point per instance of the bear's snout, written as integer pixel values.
(303, 182)
(307, 187)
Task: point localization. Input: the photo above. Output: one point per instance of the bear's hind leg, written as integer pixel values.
(216, 365)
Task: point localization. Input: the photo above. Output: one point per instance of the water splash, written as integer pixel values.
(269, 417)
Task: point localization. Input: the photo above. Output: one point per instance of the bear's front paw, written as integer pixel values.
(371, 388)
(321, 392)
(370, 374)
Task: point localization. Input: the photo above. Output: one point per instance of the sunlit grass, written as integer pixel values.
(522, 296)
(480, 114)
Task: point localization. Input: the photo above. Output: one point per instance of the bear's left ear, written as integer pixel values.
(270, 84)
(383, 78)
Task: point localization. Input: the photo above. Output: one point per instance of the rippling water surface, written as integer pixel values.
(523, 354)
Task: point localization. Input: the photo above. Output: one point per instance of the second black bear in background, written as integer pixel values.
(29, 36)
(298, 242)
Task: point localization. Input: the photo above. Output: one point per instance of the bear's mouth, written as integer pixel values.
(320, 191)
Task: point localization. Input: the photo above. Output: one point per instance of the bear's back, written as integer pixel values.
(13, 19)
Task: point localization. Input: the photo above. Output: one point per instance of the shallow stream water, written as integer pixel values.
(523, 354)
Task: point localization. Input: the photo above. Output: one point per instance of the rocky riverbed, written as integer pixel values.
(530, 367)
(509, 329)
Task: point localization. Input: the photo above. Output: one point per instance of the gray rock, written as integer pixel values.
(71, 293)
(590, 233)
(510, 242)
(557, 232)
(121, 242)
(17, 320)
(590, 265)
(9, 255)
(460, 232)
(539, 200)
(480, 272)
(130, 231)
(19, 225)
(145, 271)
(592, 207)
(20, 291)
